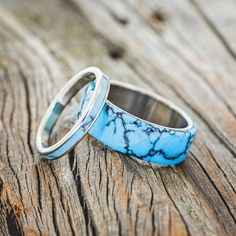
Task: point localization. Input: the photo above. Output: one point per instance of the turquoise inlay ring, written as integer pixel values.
(142, 124)
(84, 123)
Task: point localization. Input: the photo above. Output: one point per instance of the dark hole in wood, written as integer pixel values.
(116, 52)
(120, 19)
(13, 226)
(159, 16)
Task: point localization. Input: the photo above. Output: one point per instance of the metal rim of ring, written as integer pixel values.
(158, 98)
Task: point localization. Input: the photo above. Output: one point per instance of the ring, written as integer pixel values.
(94, 105)
(142, 124)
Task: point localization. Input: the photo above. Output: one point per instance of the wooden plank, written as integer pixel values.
(166, 46)
(220, 17)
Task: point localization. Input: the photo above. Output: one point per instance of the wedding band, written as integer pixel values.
(90, 113)
(142, 124)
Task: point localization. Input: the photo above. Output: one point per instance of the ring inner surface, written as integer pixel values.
(145, 107)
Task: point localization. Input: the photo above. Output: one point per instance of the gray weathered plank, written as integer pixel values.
(167, 46)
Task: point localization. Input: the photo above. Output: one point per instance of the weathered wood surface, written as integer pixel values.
(182, 49)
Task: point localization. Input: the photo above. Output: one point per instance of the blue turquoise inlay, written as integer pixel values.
(55, 113)
(129, 135)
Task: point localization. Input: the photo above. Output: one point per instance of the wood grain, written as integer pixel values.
(183, 50)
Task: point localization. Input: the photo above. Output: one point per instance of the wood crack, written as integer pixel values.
(29, 119)
(214, 29)
(89, 221)
(215, 187)
(13, 225)
(220, 168)
(176, 207)
(54, 213)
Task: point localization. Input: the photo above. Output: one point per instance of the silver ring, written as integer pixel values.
(86, 120)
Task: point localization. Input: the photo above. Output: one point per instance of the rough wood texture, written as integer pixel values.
(182, 49)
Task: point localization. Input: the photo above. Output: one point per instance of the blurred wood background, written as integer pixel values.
(184, 50)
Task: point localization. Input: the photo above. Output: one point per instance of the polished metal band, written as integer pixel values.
(86, 120)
